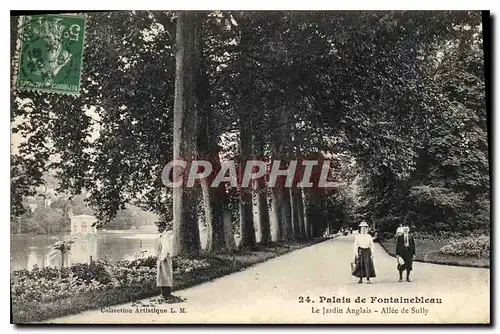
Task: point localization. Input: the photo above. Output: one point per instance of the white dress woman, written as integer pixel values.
(164, 274)
(363, 254)
(399, 231)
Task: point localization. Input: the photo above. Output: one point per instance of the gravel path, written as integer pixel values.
(269, 293)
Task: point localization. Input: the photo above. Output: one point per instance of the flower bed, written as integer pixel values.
(41, 294)
(473, 246)
(445, 250)
(48, 284)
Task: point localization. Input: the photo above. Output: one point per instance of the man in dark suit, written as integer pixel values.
(405, 248)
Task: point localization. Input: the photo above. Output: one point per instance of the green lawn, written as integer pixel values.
(428, 251)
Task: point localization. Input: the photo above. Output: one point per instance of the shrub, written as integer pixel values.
(37, 273)
(128, 276)
(474, 246)
(93, 271)
(187, 265)
(27, 287)
(149, 262)
(51, 283)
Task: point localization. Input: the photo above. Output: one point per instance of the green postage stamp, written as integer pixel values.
(50, 53)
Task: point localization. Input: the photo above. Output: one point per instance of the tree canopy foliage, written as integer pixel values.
(396, 99)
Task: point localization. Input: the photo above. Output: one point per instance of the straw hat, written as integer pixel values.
(363, 224)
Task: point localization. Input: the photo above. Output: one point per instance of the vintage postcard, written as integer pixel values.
(250, 167)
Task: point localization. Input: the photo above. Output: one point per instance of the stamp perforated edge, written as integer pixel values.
(16, 59)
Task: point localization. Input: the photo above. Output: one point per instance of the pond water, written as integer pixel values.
(30, 250)
(27, 251)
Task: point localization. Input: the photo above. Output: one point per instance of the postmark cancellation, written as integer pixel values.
(50, 53)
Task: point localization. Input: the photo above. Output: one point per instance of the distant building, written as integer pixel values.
(82, 224)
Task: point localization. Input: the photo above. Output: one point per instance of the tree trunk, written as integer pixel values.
(287, 215)
(207, 148)
(276, 196)
(294, 203)
(186, 237)
(228, 224)
(261, 194)
(246, 205)
(263, 210)
(307, 216)
(214, 217)
(246, 220)
(300, 210)
(247, 229)
(213, 198)
(280, 221)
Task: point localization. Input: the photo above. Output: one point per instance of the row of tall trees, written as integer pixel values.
(383, 95)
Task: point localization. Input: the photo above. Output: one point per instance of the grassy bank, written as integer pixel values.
(42, 307)
(428, 251)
